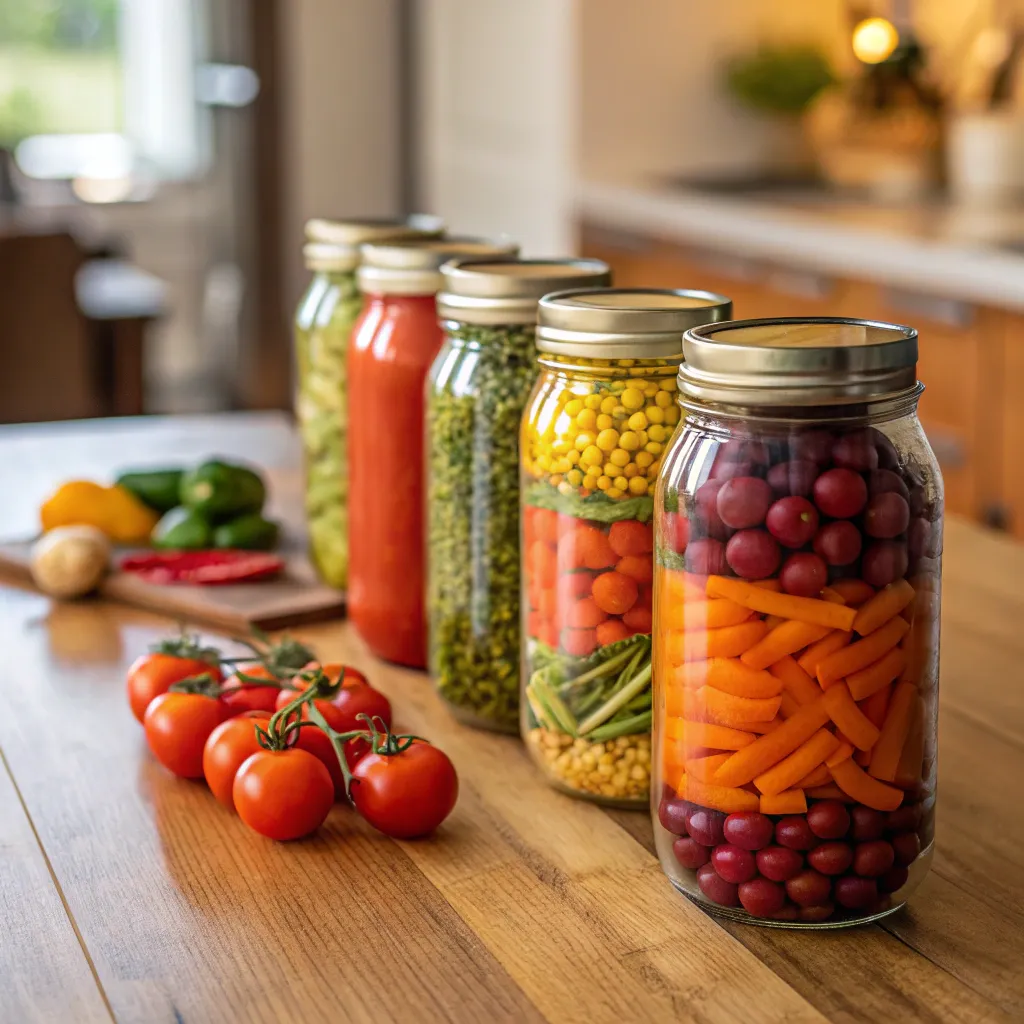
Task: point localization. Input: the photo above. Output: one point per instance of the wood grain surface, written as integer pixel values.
(130, 890)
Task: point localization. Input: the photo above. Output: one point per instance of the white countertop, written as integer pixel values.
(939, 249)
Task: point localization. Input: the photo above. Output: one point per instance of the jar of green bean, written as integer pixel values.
(476, 392)
(323, 324)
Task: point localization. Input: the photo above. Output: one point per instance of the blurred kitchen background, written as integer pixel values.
(158, 159)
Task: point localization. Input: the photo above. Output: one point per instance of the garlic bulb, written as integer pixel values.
(70, 561)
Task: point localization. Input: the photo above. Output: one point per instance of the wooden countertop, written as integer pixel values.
(126, 894)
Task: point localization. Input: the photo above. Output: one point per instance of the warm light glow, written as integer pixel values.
(874, 40)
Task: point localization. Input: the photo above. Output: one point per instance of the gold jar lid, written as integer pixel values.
(625, 323)
(506, 291)
(414, 267)
(335, 244)
(798, 361)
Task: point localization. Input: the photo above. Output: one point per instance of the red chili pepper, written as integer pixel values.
(203, 567)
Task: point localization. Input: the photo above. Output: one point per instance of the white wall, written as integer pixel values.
(341, 81)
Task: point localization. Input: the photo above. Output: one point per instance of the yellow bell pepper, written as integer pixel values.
(115, 511)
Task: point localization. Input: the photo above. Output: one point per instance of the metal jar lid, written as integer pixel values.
(334, 244)
(414, 268)
(506, 291)
(797, 361)
(624, 323)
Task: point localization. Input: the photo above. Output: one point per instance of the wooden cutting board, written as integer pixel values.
(294, 598)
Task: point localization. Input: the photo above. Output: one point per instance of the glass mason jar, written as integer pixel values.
(394, 342)
(476, 394)
(796, 623)
(323, 324)
(593, 435)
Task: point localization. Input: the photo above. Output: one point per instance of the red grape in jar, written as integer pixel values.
(828, 819)
(672, 814)
(748, 830)
(743, 502)
(716, 888)
(886, 516)
(873, 858)
(792, 521)
(888, 457)
(794, 833)
(921, 539)
(706, 826)
(738, 449)
(809, 888)
(779, 863)
(856, 451)
(753, 554)
(706, 556)
(792, 478)
(894, 879)
(733, 864)
(705, 504)
(884, 561)
(840, 493)
(867, 823)
(831, 858)
(803, 574)
(838, 543)
(812, 446)
(690, 853)
(761, 897)
(885, 481)
(905, 819)
(906, 847)
(856, 893)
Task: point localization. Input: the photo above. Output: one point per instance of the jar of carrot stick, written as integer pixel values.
(798, 537)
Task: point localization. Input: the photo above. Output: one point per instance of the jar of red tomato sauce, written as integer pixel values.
(393, 344)
(594, 433)
(796, 624)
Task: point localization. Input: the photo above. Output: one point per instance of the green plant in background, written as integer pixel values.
(779, 79)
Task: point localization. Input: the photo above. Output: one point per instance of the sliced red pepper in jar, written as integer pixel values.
(208, 568)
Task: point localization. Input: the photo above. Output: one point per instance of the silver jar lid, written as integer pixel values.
(414, 268)
(625, 323)
(506, 291)
(334, 244)
(800, 361)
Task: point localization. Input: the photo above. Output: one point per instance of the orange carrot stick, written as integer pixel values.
(856, 726)
(795, 680)
(785, 639)
(674, 774)
(802, 609)
(861, 654)
(827, 645)
(678, 587)
(841, 753)
(885, 758)
(870, 680)
(702, 614)
(736, 712)
(789, 706)
(862, 757)
(864, 789)
(853, 592)
(830, 792)
(821, 776)
(804, 759)
(773, 621)
(720, 798)
(764, 727)
(775, 586)
(876, 706)
(877, 611)
(703, 768)
(908, 771)
(705, 734)
(724, 642)
(730, 675)
(833, 596)
(768, 750)
(792, 801)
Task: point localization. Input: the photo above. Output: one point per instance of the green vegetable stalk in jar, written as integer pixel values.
(476, 393)
(593, 434)
(323, 324)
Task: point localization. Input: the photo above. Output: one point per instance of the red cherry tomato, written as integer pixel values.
(317, 742)
(154, 674)
(355, 697)
(240, 698)
(407, 794)
(283, 794)
(226, 749)
(177, 728)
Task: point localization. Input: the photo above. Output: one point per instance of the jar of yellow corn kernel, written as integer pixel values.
(599, 418)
